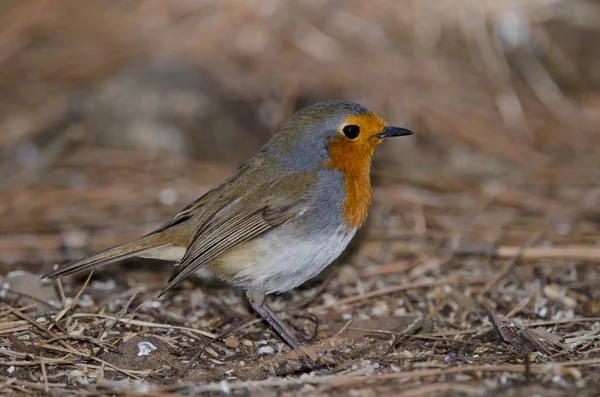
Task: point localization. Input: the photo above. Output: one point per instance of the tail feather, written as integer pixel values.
(110, 255)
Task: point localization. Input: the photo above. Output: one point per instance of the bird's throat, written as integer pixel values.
(354, 161)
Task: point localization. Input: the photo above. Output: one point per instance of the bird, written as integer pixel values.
(280, 219)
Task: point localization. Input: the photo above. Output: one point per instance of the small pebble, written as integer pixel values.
(449, 358)
(232, 342)
(145, 348)
(380, 309)
(265, 350)
(107, 285)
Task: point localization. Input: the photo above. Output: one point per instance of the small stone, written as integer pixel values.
(85, 301)
(107, 285)
(265, 350)
(145, 348)
(232, 342)
(400, 311)
(449, 358)
(381, 309)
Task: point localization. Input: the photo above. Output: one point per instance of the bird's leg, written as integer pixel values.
(256, 298)
(257, 301)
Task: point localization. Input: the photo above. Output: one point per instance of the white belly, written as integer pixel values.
(279, 262)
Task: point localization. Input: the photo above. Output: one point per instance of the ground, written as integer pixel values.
(505, 302)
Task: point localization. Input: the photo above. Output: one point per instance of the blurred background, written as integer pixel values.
(115, 114)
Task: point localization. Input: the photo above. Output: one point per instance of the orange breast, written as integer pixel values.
(358, 198)
(355, 165)
(353, 159)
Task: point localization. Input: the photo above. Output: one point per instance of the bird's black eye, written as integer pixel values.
(351, 131)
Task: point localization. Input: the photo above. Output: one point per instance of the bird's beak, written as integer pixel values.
(390, 131)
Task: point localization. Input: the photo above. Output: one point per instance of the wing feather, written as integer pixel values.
(238, 222)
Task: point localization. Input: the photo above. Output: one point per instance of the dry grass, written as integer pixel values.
(477, 273)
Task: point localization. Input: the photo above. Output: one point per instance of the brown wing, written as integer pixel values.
(240, 220)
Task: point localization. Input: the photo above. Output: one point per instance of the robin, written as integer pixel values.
(281, 218)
